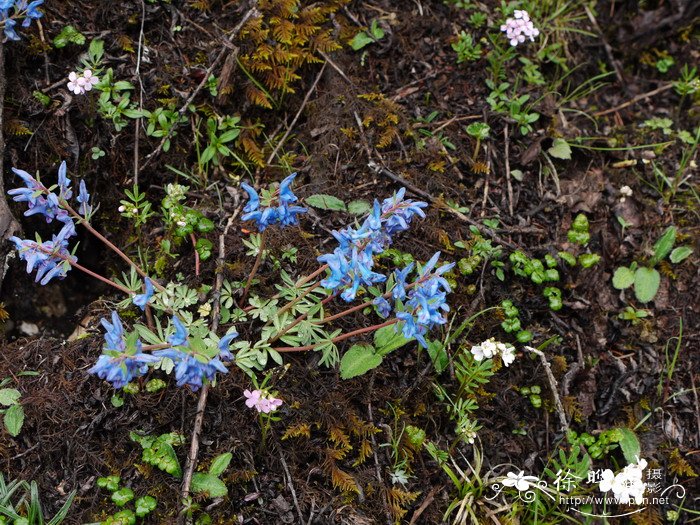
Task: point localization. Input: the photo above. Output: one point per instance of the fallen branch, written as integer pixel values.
(553, 387)
(204, 392)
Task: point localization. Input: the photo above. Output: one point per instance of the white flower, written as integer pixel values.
(508, 354)
(606, 481)
(81, 83)
(627, 485)
(121, 209)
(625, 192)
(520, 481)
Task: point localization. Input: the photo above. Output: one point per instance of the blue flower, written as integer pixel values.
(400, 212)
(427, 299)
(383, 306)
(9, 28)
(350, 273)
(278, 209)
(39, 200)
(84, 199)
(64, 182)
(224, 343)
(117, 364)
(50, 258)
(179, 338)
(32, 11)
(399, 290)
(141, 300)
(189, 370)
(6, 4)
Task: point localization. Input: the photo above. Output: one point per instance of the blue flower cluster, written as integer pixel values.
(422, 307)
(50, 258)
(277, 206)
(118, 364)
(191, 367)
(352, 261)
(123, 359)
(22, 9)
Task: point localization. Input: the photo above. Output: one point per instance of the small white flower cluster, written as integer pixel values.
(519, 28)
(81, 83)
(628, 484)
(491, 348)
(625, 192)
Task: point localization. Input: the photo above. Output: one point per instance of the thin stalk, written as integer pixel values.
(107, 242)
(85, 270)
(299, 320)
(341, 337)
(258, 260)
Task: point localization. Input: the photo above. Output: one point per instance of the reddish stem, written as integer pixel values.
(196, 254)
(258, 260)
(342, 337)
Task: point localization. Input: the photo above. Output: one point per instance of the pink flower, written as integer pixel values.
(81, 83)
(519, 28)
(262, 401)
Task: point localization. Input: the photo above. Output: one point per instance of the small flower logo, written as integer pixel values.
(520, 481)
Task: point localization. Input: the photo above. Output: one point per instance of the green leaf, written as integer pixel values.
(145, 505)
(629, 444)
(623, 278)
(359, 207)
(680, 254)
(122, 496)
(646, 284)
(110, 483)
(155, 385)
(325, 202)
(359, 360)
(560, 149)
(388, 339)
(208, 485)
(478, 130)
(360, 40)
(117, 401)
(568, 258)
(9, 396)
(663, 246)
(438, 355)
(68, 35)
(14, 419)
(588, 259)
(220, 463)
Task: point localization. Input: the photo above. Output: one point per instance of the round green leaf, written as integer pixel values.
(623, 278)
(9, 396)
(646, 284)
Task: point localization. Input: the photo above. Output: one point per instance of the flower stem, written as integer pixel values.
(341, 337)
(258, 260)
(107, 242)
(98, 276)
